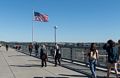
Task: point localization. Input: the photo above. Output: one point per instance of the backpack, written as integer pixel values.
(30, 46)
(43, 54)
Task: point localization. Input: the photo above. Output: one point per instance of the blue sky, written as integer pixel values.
(77, 20)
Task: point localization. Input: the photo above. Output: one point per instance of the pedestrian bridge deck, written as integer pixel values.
(14, 64)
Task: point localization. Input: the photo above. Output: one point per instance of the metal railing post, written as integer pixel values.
(71, 53)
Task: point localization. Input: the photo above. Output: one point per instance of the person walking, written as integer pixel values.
(93, 56)
(52, 51)
(57, 55)
(113, 57)
(36, 49)
(6, 47)
(43, 56)
(30, 47)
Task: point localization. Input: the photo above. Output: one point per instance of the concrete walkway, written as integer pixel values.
(14, 64)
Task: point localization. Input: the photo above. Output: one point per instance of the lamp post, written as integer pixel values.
(55, 28)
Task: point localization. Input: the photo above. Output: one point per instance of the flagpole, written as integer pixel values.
(32, 26)
(32, 31)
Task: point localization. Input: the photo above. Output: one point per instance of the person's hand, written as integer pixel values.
(46, 59)
(118, 61)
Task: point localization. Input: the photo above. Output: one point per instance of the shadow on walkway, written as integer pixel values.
(50, 77)
(104, 77)
(27, 65)
(73, 75)
(30, 65)
(17, 55)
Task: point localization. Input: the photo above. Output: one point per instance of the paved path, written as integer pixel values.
(14, 64)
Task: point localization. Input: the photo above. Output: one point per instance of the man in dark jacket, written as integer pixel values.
(36, 49)
(113, 56)
(43, 56)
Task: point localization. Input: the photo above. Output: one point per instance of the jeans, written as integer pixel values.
(93, 67)
(57, 59)
(36, 53)
(44, 61)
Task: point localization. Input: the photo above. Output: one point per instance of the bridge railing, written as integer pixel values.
(75, 54)
(79, 54)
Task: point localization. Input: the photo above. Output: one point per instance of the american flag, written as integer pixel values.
(40, 17)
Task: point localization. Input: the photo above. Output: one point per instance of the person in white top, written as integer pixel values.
(93, 56)
(57, 55)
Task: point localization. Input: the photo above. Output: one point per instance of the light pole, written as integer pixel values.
(55, 28)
